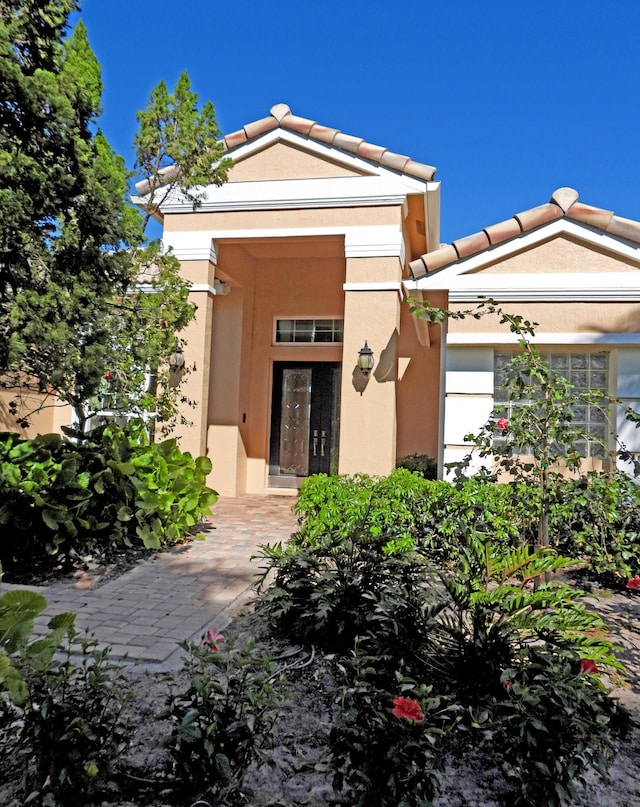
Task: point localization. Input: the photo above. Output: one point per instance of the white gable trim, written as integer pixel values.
(444, 278)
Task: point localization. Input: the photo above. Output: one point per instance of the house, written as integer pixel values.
(309, 253)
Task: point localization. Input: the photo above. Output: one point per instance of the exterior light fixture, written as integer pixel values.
(176, 359)
(365, 359)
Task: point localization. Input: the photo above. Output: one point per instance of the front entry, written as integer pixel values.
(305, 421)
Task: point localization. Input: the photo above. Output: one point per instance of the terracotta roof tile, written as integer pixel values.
(347, 142)
(440, 257)
(471, 244)
(625, 228)
(370, 152)
(535, 216)
(260, 127)
(595, 216)
(564, 198)
(503, 231)
(235, 139)
(564, 204)
(281, 117)
(322, 133)
(295, 124)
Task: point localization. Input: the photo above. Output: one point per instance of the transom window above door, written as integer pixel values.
(309, 331)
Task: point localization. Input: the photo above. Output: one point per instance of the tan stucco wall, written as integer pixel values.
(418, 389)
(294, 219)
(561, 254)
(42, 422)
(283, 161)
(564, 317)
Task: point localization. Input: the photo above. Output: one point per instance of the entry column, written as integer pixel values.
(368, 428)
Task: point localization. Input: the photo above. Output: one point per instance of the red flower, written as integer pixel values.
(108, 376)
(408, 708)
(633, 582)
(506, 683)
(503, 424)
(212, 639)
(588, 667)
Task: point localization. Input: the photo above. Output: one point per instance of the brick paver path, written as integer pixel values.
(177, 595)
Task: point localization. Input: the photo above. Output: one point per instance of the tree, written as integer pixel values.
(76, 318)
(63, 193)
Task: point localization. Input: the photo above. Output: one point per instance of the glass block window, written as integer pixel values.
(586, 372)
(314, 331)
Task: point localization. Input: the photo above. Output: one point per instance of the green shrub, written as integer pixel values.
(385, 758)
(421, 464)
(555, 723)
(597, 518)
(223, 717)
(329, 597)
(64, 721)
(60, 498)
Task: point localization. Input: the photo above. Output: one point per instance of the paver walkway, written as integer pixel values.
(178, 595)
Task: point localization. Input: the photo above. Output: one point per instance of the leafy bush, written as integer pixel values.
(421, 464)
(329, 597)
(63, 722)
(223, 718)
(388, 749)
(60, 498)
(555, 723)
(597, 518)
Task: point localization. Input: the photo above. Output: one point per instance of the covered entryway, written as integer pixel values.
(305, 420)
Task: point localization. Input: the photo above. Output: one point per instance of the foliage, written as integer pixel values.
(458, 626)
(404, 511)
(89, 311)
(330, 596)
(556, 723)
(64, 721)
(63, 196)
(60, 499)
(389, 760)
(178, 147)
(222, 719)
(597, 518)
(421, 464)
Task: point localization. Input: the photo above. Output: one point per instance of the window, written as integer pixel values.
(587, 372)
(314, 331)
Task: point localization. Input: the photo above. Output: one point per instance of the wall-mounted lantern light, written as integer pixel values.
(365, 359)
(176, 360)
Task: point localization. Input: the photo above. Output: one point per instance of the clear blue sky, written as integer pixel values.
(509, 100)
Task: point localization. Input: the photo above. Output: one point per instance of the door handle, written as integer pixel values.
(315, 443)
(323, 441)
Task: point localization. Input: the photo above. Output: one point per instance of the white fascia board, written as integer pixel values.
(290, 194)
(335, 155)
(389, 285)
(593, 338)
(549, 287)
(360, 242)
(442, 278)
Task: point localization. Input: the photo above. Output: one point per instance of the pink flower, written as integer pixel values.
(212, 639)
(588, 667)
(502, 424)
(407, 708)
(506, 683)
(633, 583)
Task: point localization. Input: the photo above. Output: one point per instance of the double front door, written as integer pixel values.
(305, 411)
